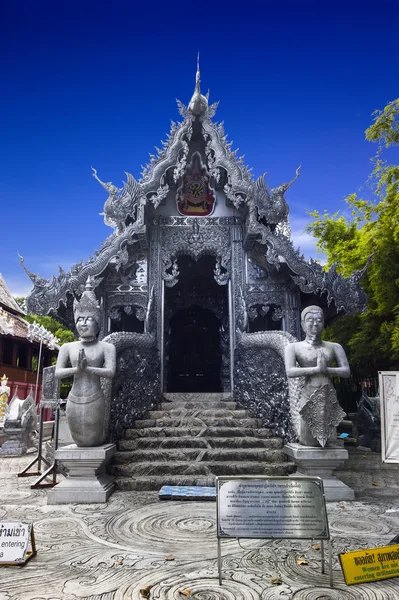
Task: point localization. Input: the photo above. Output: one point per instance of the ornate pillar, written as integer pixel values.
(237, 284)
(292, 320)
(155, 282)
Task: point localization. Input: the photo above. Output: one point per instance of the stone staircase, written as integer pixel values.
(191, 440)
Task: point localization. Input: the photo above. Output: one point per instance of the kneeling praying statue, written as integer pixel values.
(317, 361)
(87, 360)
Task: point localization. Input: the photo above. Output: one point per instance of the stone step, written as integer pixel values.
(198, 422)
(184, 413)
(197, 431)
(199, 442)
(196, 405)
(178, 473)
(198, 455)
(205, 397)
(197, 468)
(145, 484)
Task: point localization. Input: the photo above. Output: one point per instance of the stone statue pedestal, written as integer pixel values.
(321, 462)
(87, 481)
(17, 440)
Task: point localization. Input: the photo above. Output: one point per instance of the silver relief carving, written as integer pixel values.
(123, 202)
(253, 255)
(272, 205)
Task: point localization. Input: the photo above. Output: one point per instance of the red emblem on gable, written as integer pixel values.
(195, 196)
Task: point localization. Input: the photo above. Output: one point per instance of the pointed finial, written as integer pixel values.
(198, 77)
(199, 103)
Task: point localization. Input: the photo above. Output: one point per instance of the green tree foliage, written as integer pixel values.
(371, 229)
(63, 334)
(20, 300)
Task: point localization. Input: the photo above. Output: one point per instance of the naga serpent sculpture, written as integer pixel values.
(123, 340)
(276, 341)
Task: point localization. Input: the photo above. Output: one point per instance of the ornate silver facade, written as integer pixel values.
(191, 301)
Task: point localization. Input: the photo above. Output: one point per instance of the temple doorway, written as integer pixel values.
(196, 314)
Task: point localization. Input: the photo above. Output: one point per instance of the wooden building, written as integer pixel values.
(18, 354)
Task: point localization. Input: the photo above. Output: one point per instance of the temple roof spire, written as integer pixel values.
(198, 77)
(198, 103)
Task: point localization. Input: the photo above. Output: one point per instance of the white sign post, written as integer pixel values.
(14, 541)
(389, 399)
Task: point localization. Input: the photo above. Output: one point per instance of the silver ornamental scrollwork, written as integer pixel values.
(115, 314)
(122, 202)
(264, 310)
(310, 276)
(221, 271)
(47, 295)
(239, 185)
(139, 299)
(180, 167)
(170, 271)
(199, 239)
(272, 205)
(252, 312)
(278, 314)
(263, 225)
(140, 313)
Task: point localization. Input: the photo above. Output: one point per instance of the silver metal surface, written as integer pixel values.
(330, 563)
(271, 507)
(141, 256)
(231, 336)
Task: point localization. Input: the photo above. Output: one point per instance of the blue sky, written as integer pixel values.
(94, 83)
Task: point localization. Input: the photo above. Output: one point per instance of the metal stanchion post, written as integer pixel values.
(38, 332)
(50, 399)
(52, 469)
(39, 458)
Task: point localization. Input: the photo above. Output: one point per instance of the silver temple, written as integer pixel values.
(200, 285)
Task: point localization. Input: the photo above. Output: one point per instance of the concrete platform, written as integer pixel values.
(87, 481)
(110, 552)
(323, 463)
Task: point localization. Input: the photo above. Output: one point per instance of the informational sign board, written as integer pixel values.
(373, 564)
(14, 542)
(275, 507)
(272, 508)
(50, 388)
(389, 399)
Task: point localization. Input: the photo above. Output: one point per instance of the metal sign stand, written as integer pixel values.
(39, 458)
(52, 469)
(50, 399)
(326, 533)
(29, 553)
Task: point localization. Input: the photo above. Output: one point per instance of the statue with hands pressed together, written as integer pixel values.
(87, 360)
(317, 361)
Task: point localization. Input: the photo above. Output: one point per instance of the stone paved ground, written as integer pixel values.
(96, 552)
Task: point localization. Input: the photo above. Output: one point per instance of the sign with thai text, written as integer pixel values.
(272, 507)
(14, 540)
(389, 399)
(373, 564)
(50, 388)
